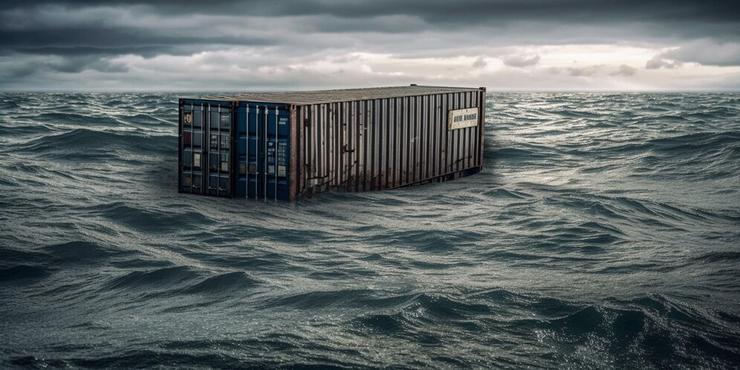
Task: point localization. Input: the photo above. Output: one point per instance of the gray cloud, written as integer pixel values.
(479, 63)
(521, 60)
(625, 70)
(444, 11)
(706, 52)
(584, 71)
(658, 62)
(47, 40)
(594, 70)
(165, 23)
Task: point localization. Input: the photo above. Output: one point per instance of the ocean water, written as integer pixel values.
(604, 232)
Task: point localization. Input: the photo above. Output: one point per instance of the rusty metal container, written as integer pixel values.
(289, 145)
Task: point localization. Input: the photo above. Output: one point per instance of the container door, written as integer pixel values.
(262, 139)
(219, 171)
(192, 147)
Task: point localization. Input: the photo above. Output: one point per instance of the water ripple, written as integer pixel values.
(602, 233)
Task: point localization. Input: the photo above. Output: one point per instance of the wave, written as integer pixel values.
(82, 252)
(34, 129)
(81, 141)
(180, 281)
(158, 278)
(602, 232)
(57, 118)
(694, 142)
(223, 284)
(718, 256)
(148, 220)
(23, 272)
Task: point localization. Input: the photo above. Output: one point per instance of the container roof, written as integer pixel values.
(329, 96)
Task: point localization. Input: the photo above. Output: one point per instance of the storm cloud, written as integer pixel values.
(521, 60)
(137, 45)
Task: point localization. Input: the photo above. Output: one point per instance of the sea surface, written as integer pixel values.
(604, 232)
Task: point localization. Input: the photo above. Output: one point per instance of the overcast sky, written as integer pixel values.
(272, 44)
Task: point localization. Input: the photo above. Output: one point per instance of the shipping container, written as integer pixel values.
(290, 145)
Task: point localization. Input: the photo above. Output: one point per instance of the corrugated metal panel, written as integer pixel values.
(340, 95)
(385, 143)
(274, 150)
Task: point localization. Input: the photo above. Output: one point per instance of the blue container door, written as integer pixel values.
(262, 141)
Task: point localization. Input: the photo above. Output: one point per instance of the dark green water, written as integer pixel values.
(604, 232)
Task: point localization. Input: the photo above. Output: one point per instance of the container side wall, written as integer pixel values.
(386, 143)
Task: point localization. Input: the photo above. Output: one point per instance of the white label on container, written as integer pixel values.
(462, 118)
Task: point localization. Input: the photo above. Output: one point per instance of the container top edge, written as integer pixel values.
(335, 95)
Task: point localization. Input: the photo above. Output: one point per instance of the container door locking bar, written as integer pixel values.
(246, 155)
(275, 164)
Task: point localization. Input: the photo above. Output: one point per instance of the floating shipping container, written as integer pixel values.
(289, 145)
